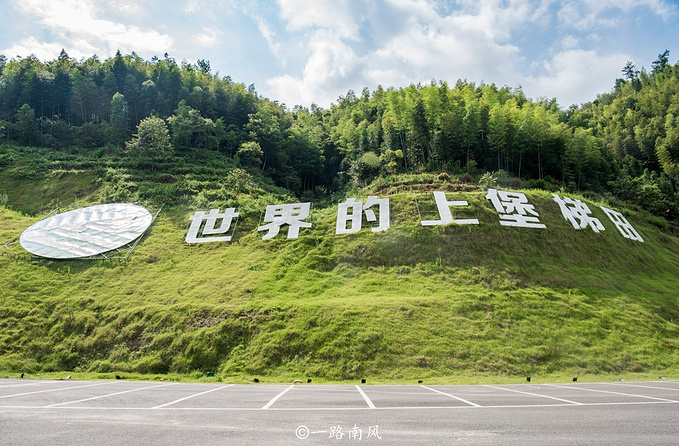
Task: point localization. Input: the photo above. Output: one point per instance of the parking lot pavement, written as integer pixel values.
(129, 412)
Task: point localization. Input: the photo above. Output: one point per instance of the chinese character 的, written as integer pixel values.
(578, 213)
(356, 215)
(443, 206)
(622, 224)
(513, 208)
(278, 215)
(210, 227)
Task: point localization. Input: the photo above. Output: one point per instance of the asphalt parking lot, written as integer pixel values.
(40, 412)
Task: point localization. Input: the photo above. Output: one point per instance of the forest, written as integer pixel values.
(158, 114)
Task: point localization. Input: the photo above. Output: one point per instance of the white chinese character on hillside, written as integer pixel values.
(622, 224)
(356, 215)
(210, 227)
(514, 209)
(578, 213)
(443, 206)
(278, 215)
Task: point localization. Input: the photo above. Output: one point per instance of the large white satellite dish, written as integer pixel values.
(87, 231)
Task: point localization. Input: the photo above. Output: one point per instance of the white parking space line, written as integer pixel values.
(56, 390)
(191, 396)
(536, 394)
(4, 386)
(365, 397)
(270, 403)
(107, 395)
(616, 393)
(452, 396)
(643, 387)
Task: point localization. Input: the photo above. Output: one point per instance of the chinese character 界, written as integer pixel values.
(210, 225)
(578, 213)
(285, 214)
(443, 206)
(622, 224)
(513, 208)
(356, 215)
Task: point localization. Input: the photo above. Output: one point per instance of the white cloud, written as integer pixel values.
(329, 71)
(77, 27)
(589, 14)
(130, 9)
(342, 16)
(192, 6)
(269, 35)
(570, 42)
(576, 76)
(41, 50)
(209, 37)
(420, 45)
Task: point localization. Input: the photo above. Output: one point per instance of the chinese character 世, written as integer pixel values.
(356, 215)
(285, 214)
(578, 213)
(513, 208)
(443, 206)
(211, 225)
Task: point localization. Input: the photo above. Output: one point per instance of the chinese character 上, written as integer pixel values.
(443, 206)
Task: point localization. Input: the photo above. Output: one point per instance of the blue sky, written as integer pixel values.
(304, 51)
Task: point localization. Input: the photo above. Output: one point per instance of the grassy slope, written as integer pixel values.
(412, 302)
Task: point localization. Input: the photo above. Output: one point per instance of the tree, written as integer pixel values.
(190, 129)
(660, 64)
(630, 71)
(250, 154)
(152, 140)
(120, 118)
(668, 148)
(497, 133)
(26, 125)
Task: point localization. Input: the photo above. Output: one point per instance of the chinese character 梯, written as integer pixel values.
(278, 215)
(210, 225)
(443, 206)
(356, 215)
(578, 213)
(513, 208)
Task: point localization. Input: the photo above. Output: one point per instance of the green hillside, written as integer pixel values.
(439, 302)
(412, 302)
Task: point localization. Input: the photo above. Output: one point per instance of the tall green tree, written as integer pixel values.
(27, 128)
(151, 142)
(120, 119)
